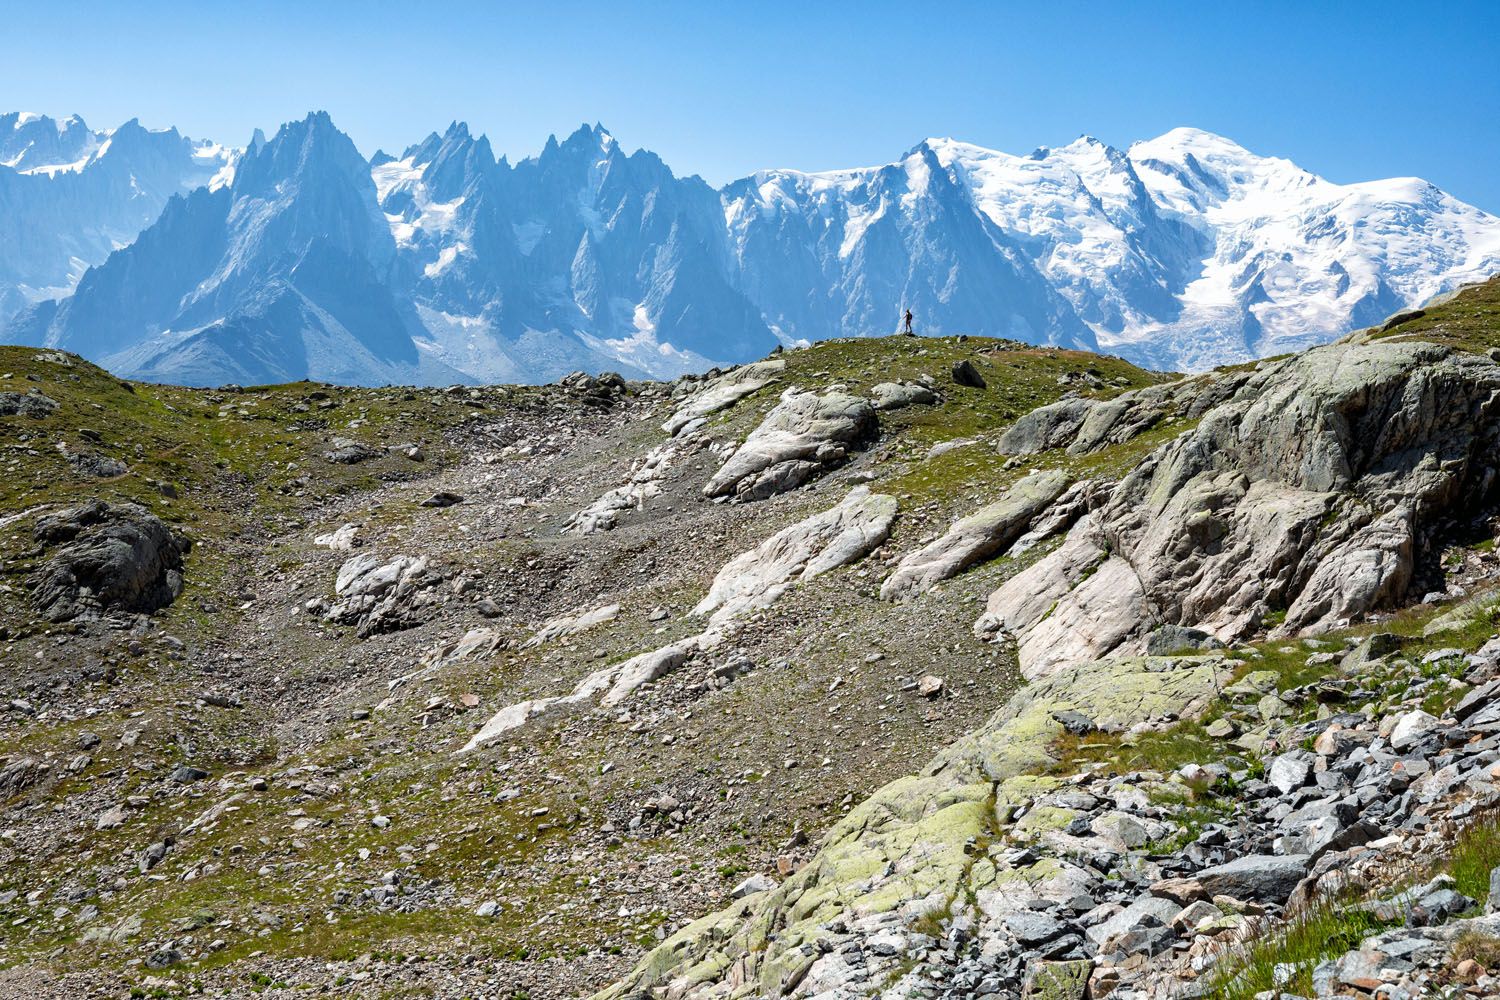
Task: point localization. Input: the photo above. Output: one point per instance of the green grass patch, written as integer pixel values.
(1469, 321)
(1320, 931)
(1475, 854)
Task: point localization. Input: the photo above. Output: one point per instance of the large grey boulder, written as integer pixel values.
(988, 531)
(27, 404)
(898, 395)
(380, 595)
(803, 436)
(108, 557)
(1261, 877)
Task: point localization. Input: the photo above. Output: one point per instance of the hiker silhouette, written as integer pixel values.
(907, 327)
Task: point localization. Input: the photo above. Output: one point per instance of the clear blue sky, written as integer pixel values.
(1350, 90)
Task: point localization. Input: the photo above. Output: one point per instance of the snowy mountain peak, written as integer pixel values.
(1182, 251)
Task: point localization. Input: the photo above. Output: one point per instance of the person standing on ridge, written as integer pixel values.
(907, 327)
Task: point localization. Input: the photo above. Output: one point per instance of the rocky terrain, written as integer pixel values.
(912, 667)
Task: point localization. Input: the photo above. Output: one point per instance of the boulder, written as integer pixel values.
(1169, 639)
(108, 557)
(1262, 877)
(443, 498)
(19, 774)
(1057, 980)
(803, 436)
(346, 451)
(899, 395)
(1411, 727)
(31, 404)
(964, 373)
(383, 596)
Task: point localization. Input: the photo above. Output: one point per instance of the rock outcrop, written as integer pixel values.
(644, 483)
(836, 537)
(722, 393)
(756, 579)
(1311, 488)
(27, 404)
(840, 923)
(802, 437)
(382, 595)
(987, 532)
(1311, 491)
(109, 557)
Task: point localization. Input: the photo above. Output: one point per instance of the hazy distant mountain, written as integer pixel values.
(70, 195)
(1184, 251)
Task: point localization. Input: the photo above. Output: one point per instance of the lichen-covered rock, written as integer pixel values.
(803, 436)
(110, 557)
(910, 848)
(899, 395)
(987, 532)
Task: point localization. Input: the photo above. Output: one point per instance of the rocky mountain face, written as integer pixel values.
(1180, 253)
(70, 195)
(883, 667)
(282, 274)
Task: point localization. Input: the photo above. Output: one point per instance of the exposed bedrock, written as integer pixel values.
(987, 532)
(753, 580)
(914, 846)
(801, 438)
(1314, 491)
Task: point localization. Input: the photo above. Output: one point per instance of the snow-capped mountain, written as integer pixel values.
(288, 272)
(1185, 251)
(70, 195)
(445, 263)
(582, 257)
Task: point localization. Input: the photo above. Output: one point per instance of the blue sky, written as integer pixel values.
(1350, 90)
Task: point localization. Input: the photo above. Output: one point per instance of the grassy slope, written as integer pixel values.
(234, 460)
(1468, 320)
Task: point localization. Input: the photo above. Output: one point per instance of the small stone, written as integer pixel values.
(186, 775)
(380, 822)
(929, 686)
(443, 498)
(1411, 727)
(487, 909)
(752, 885)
